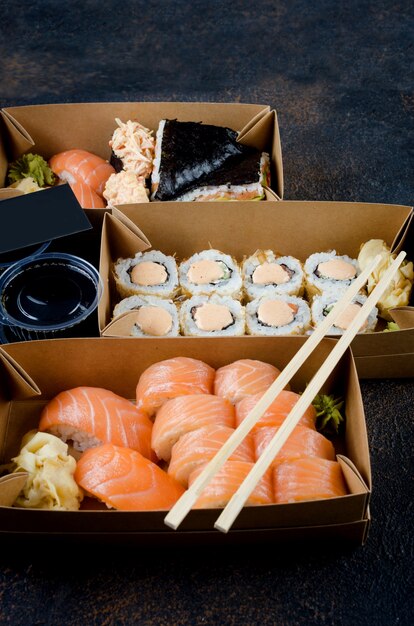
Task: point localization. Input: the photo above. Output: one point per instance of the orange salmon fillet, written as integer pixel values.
(199, 446)
(308, 479)
(86, 196)
(82, 166)
(171, 378)
(100, 414)
(302, 442)
(184, 414)
(125, 480)
(277, 411)
(244, 378)
(226, 482)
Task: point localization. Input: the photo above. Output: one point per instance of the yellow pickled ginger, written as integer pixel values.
(399, 290)
(50, 484)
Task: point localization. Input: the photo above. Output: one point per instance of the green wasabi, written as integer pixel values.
(391, 327)
(32, 165)
(328, 413)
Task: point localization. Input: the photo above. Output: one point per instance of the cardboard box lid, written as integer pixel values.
(38, 217)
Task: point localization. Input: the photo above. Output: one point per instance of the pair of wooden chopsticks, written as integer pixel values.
(233, 508)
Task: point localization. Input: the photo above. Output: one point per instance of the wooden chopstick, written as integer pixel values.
(188, 499)
(233, 508)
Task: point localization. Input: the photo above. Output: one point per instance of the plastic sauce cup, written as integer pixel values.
(9, 258)
(48, 296)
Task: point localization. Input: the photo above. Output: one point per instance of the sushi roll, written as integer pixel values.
(187, 152)
(328, 270)
(155, 317)
(236, 180)
(208, 272)
(265, 273)
(147, 274)
(214, 316)
(277, 315)
(322, 306)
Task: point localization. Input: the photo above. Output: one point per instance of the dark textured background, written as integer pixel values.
(340, 75)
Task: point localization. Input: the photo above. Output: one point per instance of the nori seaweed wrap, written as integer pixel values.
(188, 152)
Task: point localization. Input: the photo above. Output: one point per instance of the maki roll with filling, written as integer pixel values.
(186, 152)
(323, 305)
(154, 317)
(147, 274)
(208, 272)
(265, 273)
(277, 315)
(329, 271)
(214, 316)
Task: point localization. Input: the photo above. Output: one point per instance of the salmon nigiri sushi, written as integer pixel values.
(308, 479)
(302, 442)
(82, 166)
(226, 482)
(277, 411)
(125, 480)
(86, 196)
(171, 378)
(200, 446)
(187, 413)
(244, 378)
(90, 416)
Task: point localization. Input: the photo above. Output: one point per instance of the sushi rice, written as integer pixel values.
(230, 310)
(125, 267)
(292, 267)
(297, 326)
(229, 283)
(150, 304)
(317, 284)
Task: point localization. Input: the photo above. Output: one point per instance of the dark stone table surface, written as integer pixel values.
(340, 75)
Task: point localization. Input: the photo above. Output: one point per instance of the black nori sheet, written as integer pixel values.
(116, 162)
(190, 151)
(234, 172)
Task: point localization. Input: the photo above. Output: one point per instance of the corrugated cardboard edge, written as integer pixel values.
(19, 139)
(397, 244)
(11, 486)
(388, 366)
(133, 241)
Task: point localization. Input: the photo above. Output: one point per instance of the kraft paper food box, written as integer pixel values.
(288, 227)
(34, 372)
(52, 128)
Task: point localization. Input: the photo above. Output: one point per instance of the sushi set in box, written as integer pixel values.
(35, 376)
(163, 323)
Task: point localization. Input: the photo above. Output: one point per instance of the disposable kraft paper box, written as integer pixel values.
(32, 373)
(289, 228)
(52, 128)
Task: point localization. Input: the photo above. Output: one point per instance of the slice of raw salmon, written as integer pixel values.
(277, 411)
(199, 446)
(226, 482)
(86, 196)
(82, 166)
(125, 480)
(302, 442)
(90, 416)
(244, 378)
(171, 378)
(185, 414)
(308, 479)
